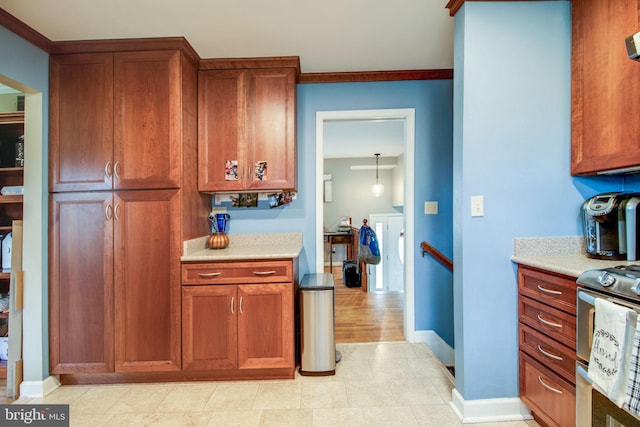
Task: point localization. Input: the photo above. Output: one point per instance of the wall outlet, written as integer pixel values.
(477, 205)
(431, 208)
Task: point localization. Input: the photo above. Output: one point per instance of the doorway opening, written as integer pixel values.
(407, 118)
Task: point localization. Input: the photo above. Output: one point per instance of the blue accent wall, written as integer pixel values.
(512, 144)
(433, 104)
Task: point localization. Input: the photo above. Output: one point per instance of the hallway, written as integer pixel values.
(366, 316)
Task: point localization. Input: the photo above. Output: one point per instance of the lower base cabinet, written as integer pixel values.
(551, 398)
(238, 318)
(237, 327)
(547, 345)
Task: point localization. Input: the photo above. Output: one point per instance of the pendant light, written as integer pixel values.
(377, 188)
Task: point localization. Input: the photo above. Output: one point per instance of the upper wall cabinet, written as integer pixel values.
(605, 124)
(115, 121)
(246, 125)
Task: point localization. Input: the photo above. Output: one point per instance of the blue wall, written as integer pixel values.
(432, 101)
(512, 140)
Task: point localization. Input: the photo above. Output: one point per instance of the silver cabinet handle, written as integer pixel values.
(241, 311)
(555, 390)
(553, 356)
(549, 291)
(264, 273)
(116, 170)
(546, 322)
(209, 274)
(107, 170)
(233, 300)
(108, 212)
(116, 212)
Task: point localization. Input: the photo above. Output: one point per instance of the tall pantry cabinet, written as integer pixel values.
(123, 198)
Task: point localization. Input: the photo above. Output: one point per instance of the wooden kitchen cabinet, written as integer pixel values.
(246, 126)
(547, 341)
(116, 294)
(241, 327)
(123, 198)
(605, 87)
(115, 121)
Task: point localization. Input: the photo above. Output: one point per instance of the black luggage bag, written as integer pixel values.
(350, 273)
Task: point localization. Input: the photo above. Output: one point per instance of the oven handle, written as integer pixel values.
(587, 297)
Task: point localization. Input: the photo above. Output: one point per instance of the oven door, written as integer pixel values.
(593, 409)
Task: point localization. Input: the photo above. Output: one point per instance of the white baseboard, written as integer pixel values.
(488, 410)
(444, 351)
(39, 388)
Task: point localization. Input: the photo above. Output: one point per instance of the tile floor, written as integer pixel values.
(376, 384)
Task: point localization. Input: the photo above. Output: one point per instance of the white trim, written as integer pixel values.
(408, 115)
(438, 346)
(488, 410)
(39, 388)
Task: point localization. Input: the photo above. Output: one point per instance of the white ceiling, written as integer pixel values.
(328, 36)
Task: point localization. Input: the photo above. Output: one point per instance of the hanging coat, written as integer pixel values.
(368, 249)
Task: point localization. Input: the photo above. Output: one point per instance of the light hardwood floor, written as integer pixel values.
(365, 316)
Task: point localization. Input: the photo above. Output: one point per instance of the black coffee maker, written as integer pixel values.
(605, 226)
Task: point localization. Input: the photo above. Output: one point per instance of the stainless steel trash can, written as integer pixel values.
(318, 354)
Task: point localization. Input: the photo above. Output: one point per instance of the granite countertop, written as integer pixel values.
(563, 255)
(245, 246)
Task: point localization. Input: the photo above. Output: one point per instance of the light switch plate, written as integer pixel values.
(431, 208)
(477, 205)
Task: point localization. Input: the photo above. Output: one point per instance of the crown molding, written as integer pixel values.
(375, 76)
(21, 29)
(455, 5)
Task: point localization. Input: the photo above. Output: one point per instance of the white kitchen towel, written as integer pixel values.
(632, 397)
(613, 333)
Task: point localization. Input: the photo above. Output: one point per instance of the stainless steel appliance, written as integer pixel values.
(620, 285)
(604, 225)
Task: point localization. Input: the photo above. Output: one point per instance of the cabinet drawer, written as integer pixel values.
(549, 397)
(557, 357)
(548, 320)
(276, 271)
(556, 291)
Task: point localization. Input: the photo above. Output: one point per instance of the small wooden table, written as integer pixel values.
(339, 238)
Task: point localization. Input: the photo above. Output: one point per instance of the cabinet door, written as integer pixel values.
(81, 334)
(209, 327)
(221, 136)
(605, 87)
(271, 132)
(147, 120)
(81, 122)
(265, 326)
(147, 280)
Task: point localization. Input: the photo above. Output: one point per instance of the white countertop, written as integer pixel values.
(563, 255)
(245, 246)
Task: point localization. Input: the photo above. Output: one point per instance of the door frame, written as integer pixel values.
(408, 115)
